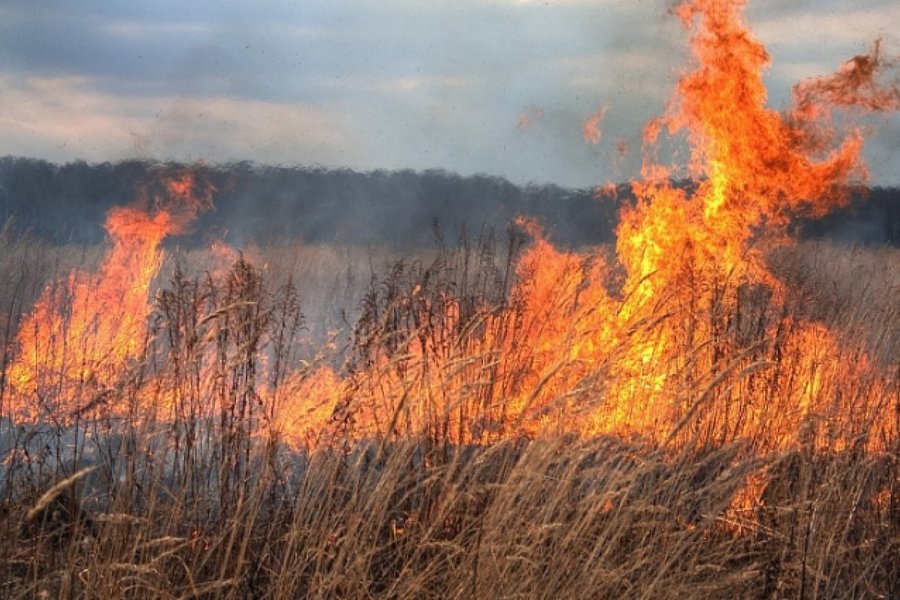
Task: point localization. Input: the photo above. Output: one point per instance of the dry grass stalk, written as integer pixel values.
(58, 488)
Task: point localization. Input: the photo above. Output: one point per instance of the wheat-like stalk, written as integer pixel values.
(55, 490)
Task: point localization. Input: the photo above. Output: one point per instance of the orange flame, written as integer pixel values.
(685, 332)
(81, 333)
(529, 116)
(590, 129)
(688, 342)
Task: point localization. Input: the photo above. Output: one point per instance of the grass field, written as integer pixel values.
(218, 460)
(707, 408)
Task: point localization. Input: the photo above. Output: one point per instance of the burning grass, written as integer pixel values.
(706, 409)
(192, 490)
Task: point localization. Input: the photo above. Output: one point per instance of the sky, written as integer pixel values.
(499, 87)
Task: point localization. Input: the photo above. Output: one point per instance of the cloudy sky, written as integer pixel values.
(475, 86)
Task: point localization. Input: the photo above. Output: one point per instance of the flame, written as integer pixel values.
(590, 129)
(690, 340)
(82, 331)
(855, 84)
(683, 333)
(529, 116)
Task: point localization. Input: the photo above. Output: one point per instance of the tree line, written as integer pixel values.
(402, 209)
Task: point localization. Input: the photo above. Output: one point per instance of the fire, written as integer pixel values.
(684, 333)
(691, 340)
(82, 331)
(590, 129)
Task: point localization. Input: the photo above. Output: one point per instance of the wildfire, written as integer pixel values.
(691, 340)
(82, 331)
(684, 332)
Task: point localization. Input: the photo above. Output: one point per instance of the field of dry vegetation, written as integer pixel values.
(175, 477)
(708, 409)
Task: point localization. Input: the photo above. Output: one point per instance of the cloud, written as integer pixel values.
(555, 3)
(65, 118)
(420, 83)
(838, 31)
(130, 29)
(393, 84)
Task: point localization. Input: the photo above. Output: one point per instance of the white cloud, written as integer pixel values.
(555, 3)
(397, 85)
(65, 118)
(852, 26)
(793, 72)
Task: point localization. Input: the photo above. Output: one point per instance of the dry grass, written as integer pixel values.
(197, 498)
(852, 288)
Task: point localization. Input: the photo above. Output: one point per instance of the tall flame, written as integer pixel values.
(693, 318)
(82, 331)
(685, 332)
